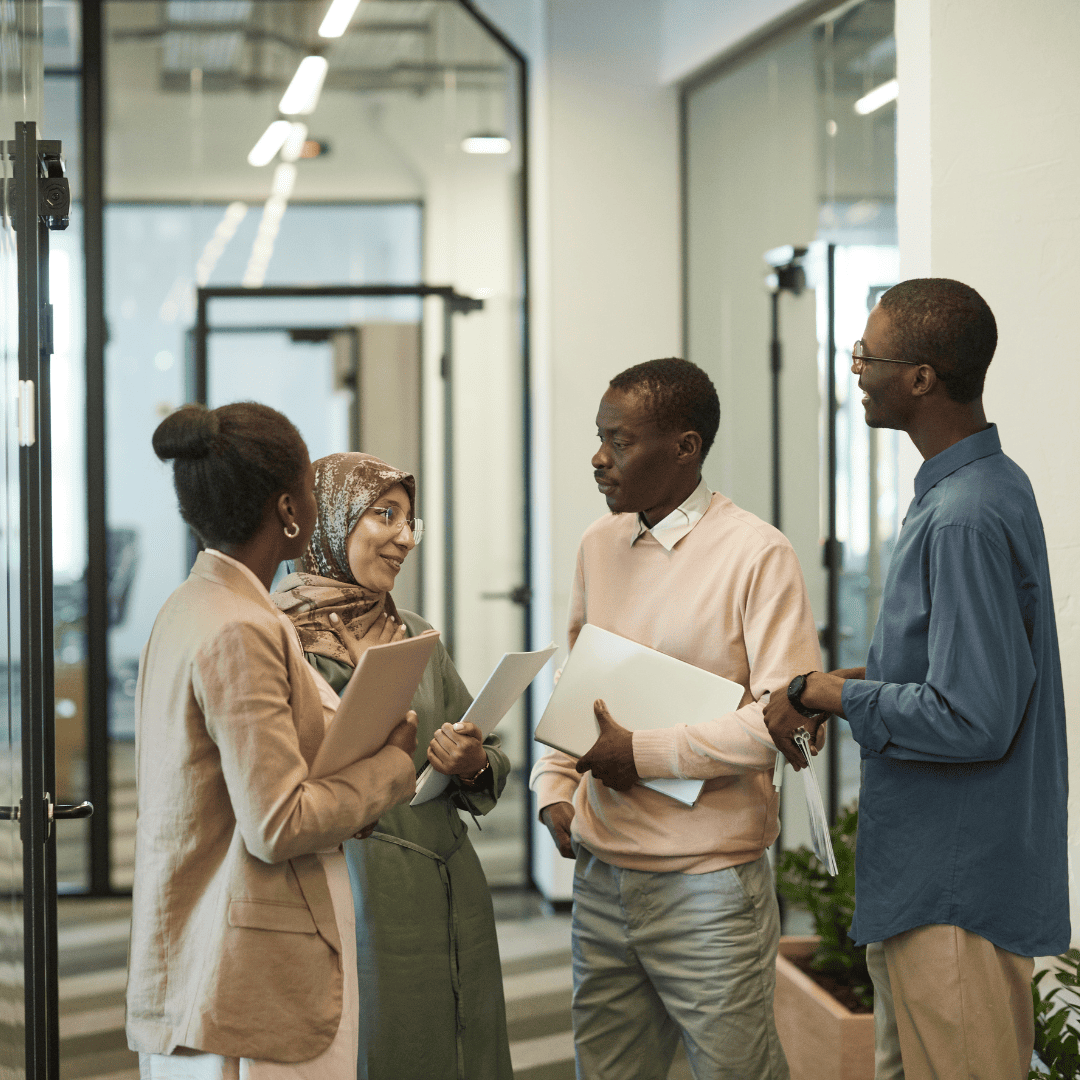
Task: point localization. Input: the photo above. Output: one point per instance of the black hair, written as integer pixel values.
(945, 324)
(227, 462)
(681, 396)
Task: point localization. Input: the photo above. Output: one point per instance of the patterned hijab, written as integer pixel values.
(346, 485)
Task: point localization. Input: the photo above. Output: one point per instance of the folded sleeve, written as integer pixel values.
(980, 670)
(241, 682)
(780, 638)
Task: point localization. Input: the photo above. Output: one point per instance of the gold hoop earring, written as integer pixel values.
(295, 526)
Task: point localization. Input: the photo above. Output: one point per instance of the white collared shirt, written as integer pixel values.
(680, 521)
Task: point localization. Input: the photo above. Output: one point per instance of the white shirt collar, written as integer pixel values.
(680, 521)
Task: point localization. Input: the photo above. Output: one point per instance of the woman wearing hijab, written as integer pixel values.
(426, 947)
(241, 956)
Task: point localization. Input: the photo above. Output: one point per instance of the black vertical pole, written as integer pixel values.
(97, 562)
(48, 679)
(775, 365)
(448, 473)
(35, 551)
(832, 545)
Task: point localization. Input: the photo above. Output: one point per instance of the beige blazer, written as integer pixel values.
(234, 945)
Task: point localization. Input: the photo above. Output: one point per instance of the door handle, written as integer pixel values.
(52, 812)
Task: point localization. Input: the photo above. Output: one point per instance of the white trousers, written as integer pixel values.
(664, 957)
(336, 1062)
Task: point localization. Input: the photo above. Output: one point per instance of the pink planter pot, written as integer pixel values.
(823, 1040)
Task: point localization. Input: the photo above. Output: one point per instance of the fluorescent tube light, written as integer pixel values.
(262, 153)
(336, 20)
(486, 144)
(294, 144)
(302, 95)
(880, 95)
(284, 180)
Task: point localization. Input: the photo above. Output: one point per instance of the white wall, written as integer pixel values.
(992, 200)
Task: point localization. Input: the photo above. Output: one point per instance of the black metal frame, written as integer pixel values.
(35, 811)
(453, 303)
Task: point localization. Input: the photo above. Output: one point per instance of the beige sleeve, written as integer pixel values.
(781, 641)
(553, 778)
(241, 683)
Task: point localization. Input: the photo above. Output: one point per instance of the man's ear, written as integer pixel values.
(689, 447)
(926, 378)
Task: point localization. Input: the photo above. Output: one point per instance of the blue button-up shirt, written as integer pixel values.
(961, 718)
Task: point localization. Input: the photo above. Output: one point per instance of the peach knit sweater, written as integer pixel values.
(729, 598)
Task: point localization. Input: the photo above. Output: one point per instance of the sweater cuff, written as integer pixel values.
(655, 754)
(552, 788)
(859, 698)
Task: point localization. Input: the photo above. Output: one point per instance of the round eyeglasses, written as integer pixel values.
(393, 517)
(859, 356)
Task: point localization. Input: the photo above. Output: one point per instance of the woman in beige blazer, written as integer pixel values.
(242, 959)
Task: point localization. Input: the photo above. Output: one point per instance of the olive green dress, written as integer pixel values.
(431, 997)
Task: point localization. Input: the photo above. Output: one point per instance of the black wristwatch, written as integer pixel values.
(794, 695)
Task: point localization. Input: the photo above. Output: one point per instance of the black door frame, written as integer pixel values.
(453, 303)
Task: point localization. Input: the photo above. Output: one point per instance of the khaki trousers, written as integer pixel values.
(664, 957)
(962, 1006)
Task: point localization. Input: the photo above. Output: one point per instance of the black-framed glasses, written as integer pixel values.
(393, 517)
(859, 357)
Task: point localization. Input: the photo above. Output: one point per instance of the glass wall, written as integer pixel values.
(784, 147)
(374, 184)
(20, 99)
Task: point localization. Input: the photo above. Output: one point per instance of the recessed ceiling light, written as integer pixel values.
(302, 94)
(270, 142)
(486, 144)
(336, 20)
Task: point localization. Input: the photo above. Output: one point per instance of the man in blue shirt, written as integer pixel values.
(961, 871)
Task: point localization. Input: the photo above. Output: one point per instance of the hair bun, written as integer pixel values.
(189, 433)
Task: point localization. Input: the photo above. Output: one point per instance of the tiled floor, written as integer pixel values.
(535, 948)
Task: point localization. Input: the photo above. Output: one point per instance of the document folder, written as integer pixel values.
(643, 690)
(504, 686)
(375, 699)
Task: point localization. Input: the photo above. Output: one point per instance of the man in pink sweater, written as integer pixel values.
(676, 924)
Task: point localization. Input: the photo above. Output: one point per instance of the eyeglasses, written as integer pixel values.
(859, 358)
(393, 517)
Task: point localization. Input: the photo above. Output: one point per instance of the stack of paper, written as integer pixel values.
(819, 822)
(505, 685)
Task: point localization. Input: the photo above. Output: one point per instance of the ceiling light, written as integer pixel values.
(294, 144)
(262, 153)
(486, 144)
(284, 180)
(337, 18)
(303, 93)
(880, 95)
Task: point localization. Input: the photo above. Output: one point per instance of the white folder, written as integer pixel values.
(374, 701)
(504, 686)
(643, 690)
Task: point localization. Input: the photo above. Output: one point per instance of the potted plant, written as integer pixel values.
(1057, 1031)
(824, 996)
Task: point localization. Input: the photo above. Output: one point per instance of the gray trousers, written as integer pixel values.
(659, 957)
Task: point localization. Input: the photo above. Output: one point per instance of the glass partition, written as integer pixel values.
(401, 167)
(20, 100)
(792, 146)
